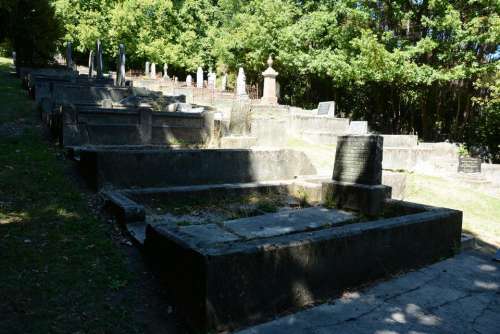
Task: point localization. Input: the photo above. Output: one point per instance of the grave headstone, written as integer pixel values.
(91, 63)
(165, 72)
(152, 74)
(199, 78)
(469, 165)
(14, 57)
(146, 69)
(69, 58)
(189, 80)
(357, 175)
(99, 59)
(241, 89)
(223, 85)
(358, 128)
(269, 92)
(326, 108)
(358, 159)
(120, 73)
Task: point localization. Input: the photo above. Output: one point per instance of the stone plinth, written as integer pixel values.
(357, 175)
(269, 93)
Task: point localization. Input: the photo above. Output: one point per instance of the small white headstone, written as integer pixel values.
(199, 78)
(241, 90)
(146, 69)
(152, 75)
(189, 80)
(223, 84)
(326, 108)
(358, 128)
(165, 71)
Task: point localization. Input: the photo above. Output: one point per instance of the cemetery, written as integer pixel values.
(244, 212)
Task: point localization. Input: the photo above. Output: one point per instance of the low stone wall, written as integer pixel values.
(124, 168)
(134, 126)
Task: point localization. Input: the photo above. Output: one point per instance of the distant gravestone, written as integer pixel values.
(146, 69)
(152, 74)
(69, 58)
(326, 108)
(189, 80)
(469, 165)
(91, 63)
(99, 59)
(358, 159)
(120, 72)
(199, 78)
(223, 85)
(165, 72)
(358, 128)
(241, 86)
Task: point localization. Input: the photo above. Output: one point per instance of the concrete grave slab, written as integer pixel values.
(289, 221)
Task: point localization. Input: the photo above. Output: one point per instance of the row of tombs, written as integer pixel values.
(237, 235)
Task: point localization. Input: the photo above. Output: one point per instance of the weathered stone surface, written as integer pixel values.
(358, 159)
(289, 221)
(358, 128)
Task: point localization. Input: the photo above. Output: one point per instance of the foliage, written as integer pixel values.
(32, 29)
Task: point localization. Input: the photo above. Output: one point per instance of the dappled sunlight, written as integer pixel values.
(13, 218)
(486, 285)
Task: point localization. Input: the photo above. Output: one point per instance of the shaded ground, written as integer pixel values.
(458, 295)
(63, 270)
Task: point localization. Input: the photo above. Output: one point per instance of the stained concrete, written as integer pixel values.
(289, 221)
(458, 295)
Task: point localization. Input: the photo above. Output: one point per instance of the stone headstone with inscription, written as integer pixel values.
(326, 108)
(358, 159)
(469, 165)
(357, 175)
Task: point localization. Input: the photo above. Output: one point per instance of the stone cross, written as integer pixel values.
(120, 73)
(165, 72)
(269, 91)
(223, 84)
(91, 63)
(146, 69)
(199, 78)
(152, 74)
(241, 89)
(69, 59)
(99, 59)
(189, 80)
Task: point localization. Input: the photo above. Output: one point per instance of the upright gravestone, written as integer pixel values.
(326, 108)
(211, 79)
(199, 78)
(146, 69)
(269, 92)
(120, 72)
(152, 74)
(358, 128)
(223, 85)
(91, 63)
(99, 60)
(241, 89)
(469, 165)
(189, 80)
(165, 72)
(357, 175)
(69, 58)
(14, 57)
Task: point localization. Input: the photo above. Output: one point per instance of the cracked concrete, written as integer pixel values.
(458, 295)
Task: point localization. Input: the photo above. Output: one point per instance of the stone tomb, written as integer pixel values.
(357, 175)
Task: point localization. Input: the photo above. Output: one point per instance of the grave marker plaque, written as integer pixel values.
(326, 108)
(358, 159)
(469, 165)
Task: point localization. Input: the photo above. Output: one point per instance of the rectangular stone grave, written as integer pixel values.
(224, 276)
(357, 175)
(469, 165)
(326, 108)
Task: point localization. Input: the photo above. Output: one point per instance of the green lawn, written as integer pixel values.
(481, 211)
(60, 271)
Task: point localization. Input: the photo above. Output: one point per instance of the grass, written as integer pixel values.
(60, 269)
(481, 211)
